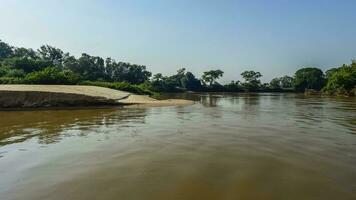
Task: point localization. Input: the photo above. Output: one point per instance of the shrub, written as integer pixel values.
(341, 80)
(52, 75)
(26, 64)
(124, 86)
(11, 80)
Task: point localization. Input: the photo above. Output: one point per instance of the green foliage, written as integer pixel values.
(286, 82)
(233, 86)
(275, 83)
(25, 53)
(95, 68)
(181, 81)
(50, 65)
(3, 70)
(52, 75)
(11, 80)
(329, 72)
(51, 54)
(28, 65)
(176, 79)
(161, 83)
(309, 78)
(189, 82)
(5, 50)
(211, 76)
(215, 87)
(89, 67)
(341, 80)
(6, 71)
(137, 89)
(252, 81)
(16, 73)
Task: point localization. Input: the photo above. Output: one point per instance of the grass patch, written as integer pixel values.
(124, 86)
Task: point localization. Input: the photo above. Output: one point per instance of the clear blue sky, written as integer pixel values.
(275, 37)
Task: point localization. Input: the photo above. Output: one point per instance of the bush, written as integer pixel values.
(11, 72)
(124, 86)
(52, 75)
(19, 73)
(11, 80)
(341, 80)
(26, 64)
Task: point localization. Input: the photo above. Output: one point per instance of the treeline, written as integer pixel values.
(50, 65)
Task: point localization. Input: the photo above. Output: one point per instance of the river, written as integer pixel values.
(226, 146)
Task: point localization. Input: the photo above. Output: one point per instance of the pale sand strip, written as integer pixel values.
(146, 100)
(92, 91)
(74, 95)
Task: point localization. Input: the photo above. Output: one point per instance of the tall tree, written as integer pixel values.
(211, 76)
(286, 82)
(275, 83)
(26, 64)
(252, 81)
(342, 79)
(309, 78)
(5, 50)
(52, 54)
(25, 53)
(189, 82)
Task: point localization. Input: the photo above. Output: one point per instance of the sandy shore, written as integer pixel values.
(33, 96)
(92, 91)
(146, 100)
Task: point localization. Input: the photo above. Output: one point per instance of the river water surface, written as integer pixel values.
(257, 146)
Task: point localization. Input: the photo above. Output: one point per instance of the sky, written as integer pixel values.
(274, 37)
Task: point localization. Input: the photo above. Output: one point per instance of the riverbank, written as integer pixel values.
(144, 100)
(42, 96)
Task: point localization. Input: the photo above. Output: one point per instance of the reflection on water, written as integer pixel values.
(50, 126)
(227, 146)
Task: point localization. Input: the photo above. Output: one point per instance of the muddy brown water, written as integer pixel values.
(230, 146)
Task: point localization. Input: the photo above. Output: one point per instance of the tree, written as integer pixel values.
(211, 76)
(177, 78)
(162, 83)
(342, 79)
(252, 82)
(137, 74)
(275, 83)
(52, 54)
(329, 72)
(125, 72)
(233, 86)
(189, 82)
(286, 82)
(157, 77)
(282, 82)
(25, 53)
(175, 83)
(26, 64)
(89, 67)
(309, 78)
(12, 72)
(71, 63)
(5, 50)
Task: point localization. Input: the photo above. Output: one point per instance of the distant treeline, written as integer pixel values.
(50, 65)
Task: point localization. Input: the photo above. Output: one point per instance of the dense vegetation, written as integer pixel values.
(50, 65)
